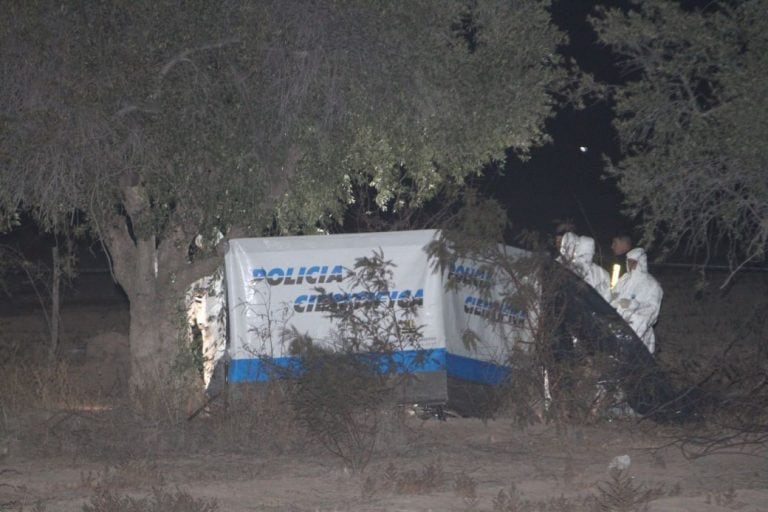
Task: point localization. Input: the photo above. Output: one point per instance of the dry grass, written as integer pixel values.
(465, 488)
(43, 385)
(45, 410)
(105, 500)
(252, 419)
(50, 410)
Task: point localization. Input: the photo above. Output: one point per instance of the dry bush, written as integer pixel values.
(54, 409)
(431, 478)
(169, 397)
(343, 391)
(18, 507)
(525, 400)
(340, 399)
(17, 498)
(252, 418)
(124, 474)
(44, 411)
(465, 487)
(724, 498)
(106, 500)
(512, 501)
(45, 406)
(55, 412)
(243, 419)
(43, 385)
(618, 494)
(554, 352)
(718, 341)
(622, 494)
(368, 488)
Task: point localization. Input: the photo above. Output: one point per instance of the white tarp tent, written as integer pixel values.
(272, 286)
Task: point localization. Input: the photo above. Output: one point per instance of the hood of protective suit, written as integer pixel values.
(585, 250)
(638, 254)
(568, 246)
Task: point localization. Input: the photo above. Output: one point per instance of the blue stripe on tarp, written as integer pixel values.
(414, 361)
(474, 370)
(265, 369)
(262, 370)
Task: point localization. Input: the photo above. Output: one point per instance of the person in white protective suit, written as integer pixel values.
(577, 253)
(595, 275)
(568, 242)
(637, 297)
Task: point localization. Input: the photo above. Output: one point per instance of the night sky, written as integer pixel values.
(563, 179)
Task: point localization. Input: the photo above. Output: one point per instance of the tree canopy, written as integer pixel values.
(691, 118)
(260, 114)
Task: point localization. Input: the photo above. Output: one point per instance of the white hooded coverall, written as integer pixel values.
(577, 253)
(637, 297)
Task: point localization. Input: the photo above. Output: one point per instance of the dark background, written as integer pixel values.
(563, 180)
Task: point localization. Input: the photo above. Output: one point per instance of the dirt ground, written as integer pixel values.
(553, 471)
(454, 465)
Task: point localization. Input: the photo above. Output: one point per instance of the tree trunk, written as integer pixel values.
(155, 278)
(151, 327)
(153, 336)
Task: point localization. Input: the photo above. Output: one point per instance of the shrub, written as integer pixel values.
(106, 500)
(346, 387)
(340, 400)
(621, 494)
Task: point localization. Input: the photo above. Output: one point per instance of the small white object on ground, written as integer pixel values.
(620, 463)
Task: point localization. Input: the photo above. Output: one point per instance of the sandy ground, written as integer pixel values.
(554, 471)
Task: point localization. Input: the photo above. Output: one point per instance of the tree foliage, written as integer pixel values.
(260, 114)
(691, 118)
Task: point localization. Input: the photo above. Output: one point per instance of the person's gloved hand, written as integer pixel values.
(624, 303)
